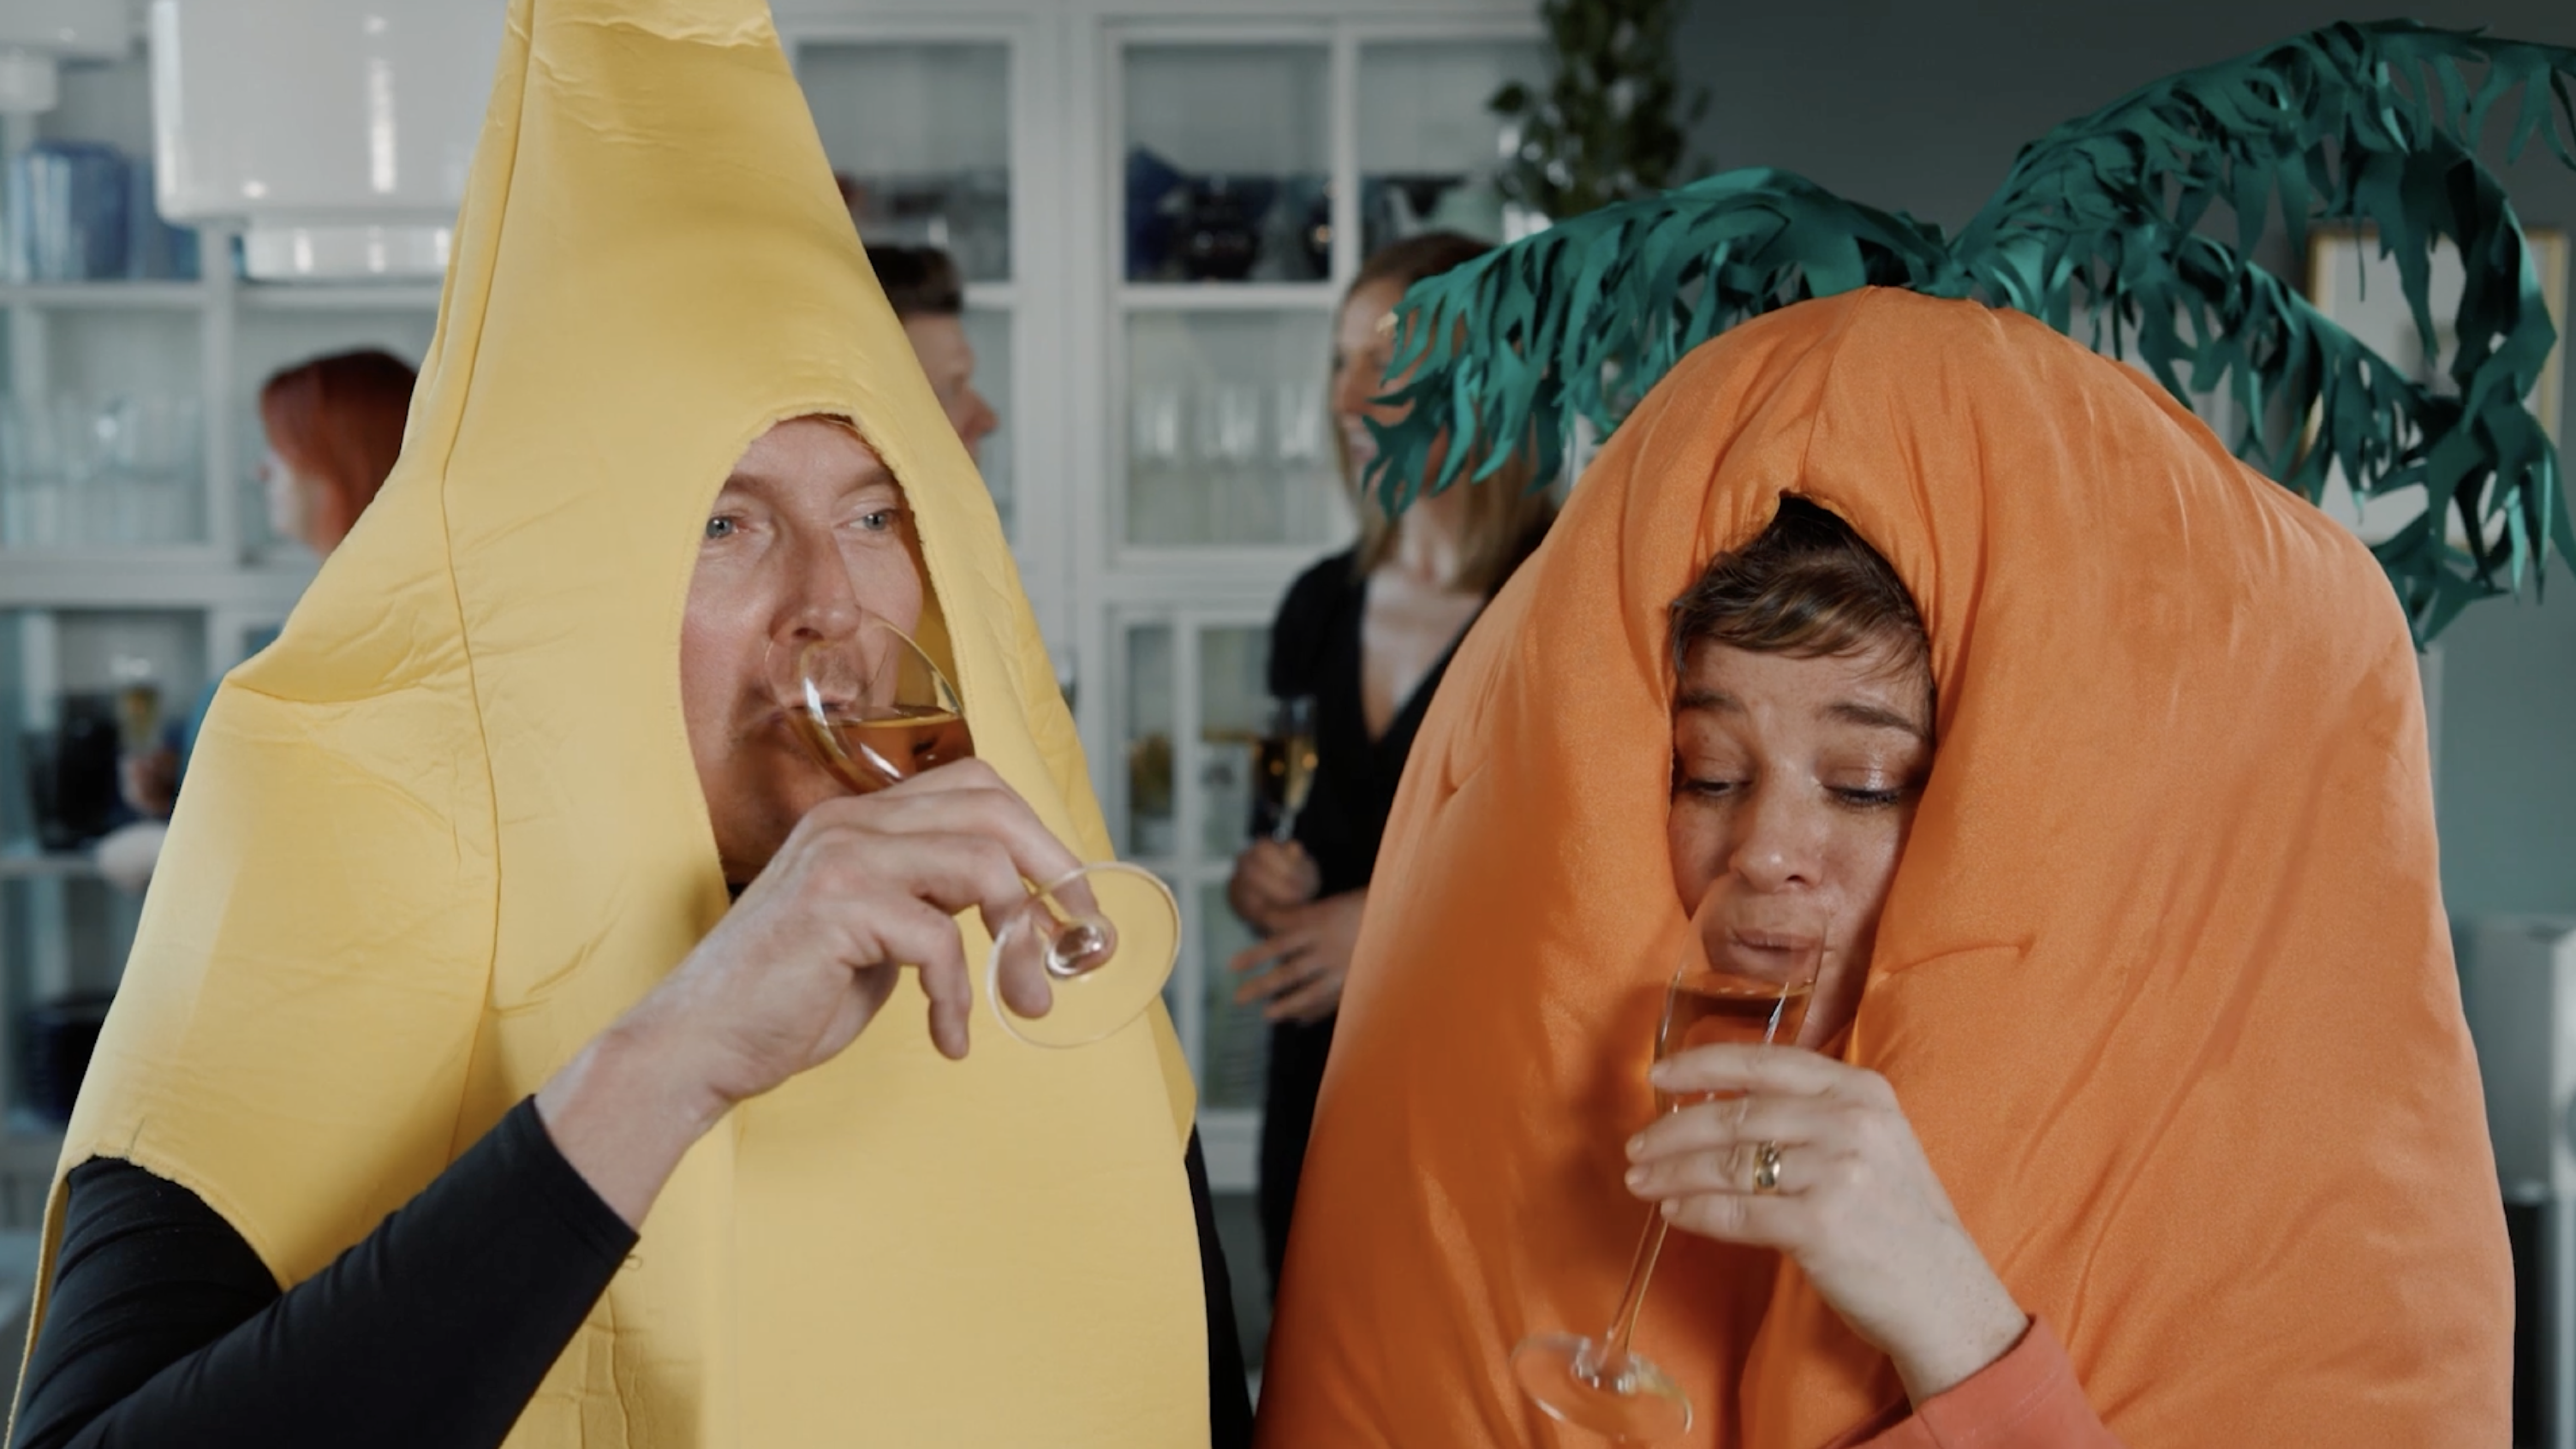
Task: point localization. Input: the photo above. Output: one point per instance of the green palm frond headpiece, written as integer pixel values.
(2370, 125)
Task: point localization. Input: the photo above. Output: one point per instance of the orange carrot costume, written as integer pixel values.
(2164, 983)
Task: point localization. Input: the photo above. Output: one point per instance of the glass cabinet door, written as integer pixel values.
(102, 427)
(919, 136)
(1429, 144)
(103, 408)
(1149, 723)
(1228, 162)
(1234, 1041)
(1194, 700)
(80, 689)
(1228, 441)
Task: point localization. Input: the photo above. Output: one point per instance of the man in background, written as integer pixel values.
(922, 284)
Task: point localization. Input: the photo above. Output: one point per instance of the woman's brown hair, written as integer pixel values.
(1809, 586)
(338, 421)
(1503, 512)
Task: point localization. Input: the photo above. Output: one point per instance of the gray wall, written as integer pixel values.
(1921, 108)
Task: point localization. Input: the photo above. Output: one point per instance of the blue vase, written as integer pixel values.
(68, 207)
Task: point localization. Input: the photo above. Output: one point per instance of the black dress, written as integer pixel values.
(1315, 651)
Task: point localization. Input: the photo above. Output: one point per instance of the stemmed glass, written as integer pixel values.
(1739, 981)
(1283, 765)
(874, 710)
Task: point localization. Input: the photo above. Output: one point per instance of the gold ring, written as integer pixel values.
(1766, 1167)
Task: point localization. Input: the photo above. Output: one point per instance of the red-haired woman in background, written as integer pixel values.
(335, 426)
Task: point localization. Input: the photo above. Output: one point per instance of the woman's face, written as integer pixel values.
(1363, 344)
(294, 502)
(1794, 781)
(809, 530)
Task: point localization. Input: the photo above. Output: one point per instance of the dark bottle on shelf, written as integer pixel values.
(71, 774)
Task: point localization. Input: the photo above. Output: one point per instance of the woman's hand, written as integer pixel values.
(149, 781)
(1272, 877)
(803, 962)
(1856, 1203)
(1304, 962)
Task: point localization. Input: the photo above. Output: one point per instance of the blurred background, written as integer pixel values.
(1154, 208)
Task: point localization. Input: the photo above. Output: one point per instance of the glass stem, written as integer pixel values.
(1650, 1247)
(1623, 1322)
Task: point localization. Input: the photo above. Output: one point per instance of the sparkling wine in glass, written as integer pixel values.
(1747, 975)
(873, 710)
(1283, 764)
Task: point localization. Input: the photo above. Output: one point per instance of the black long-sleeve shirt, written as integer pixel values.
(164, 1327)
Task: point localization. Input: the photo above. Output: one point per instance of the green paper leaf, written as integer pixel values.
(2372, 125)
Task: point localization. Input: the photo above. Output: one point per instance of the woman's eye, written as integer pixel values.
(1869, 799)
(722, 527)
(1708, 787)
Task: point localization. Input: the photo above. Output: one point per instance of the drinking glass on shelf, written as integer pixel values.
(1283, 764)
(1746, 975)
(1238, 423)
(874, 710)
(1157, 424)
(1299, 434)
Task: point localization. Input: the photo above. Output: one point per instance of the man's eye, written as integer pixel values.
(880, 520)
(721, 527)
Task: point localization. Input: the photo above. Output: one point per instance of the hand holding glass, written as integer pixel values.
(873, 710)
(1733, 985)
(1283, 764)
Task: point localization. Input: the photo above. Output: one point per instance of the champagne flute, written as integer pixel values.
(1741, 979)
(1283, 764)
(874, 710)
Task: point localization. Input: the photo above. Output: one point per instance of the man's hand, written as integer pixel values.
(864, 887)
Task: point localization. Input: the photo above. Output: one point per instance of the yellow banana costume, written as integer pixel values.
(447, 828)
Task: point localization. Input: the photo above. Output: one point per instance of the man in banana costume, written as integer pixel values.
(501, 1054)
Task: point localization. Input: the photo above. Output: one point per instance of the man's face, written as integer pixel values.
(940, 343)
(809, 529)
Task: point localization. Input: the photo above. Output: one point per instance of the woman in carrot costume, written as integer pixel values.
(2136, 1105)
(2161, 985)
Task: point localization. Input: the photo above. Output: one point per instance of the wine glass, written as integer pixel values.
(1746, 976)
(1283, 764)
(873, 710)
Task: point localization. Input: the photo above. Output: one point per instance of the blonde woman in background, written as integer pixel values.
(1365, 634)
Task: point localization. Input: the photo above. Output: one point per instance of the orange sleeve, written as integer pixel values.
(2027, 1399)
